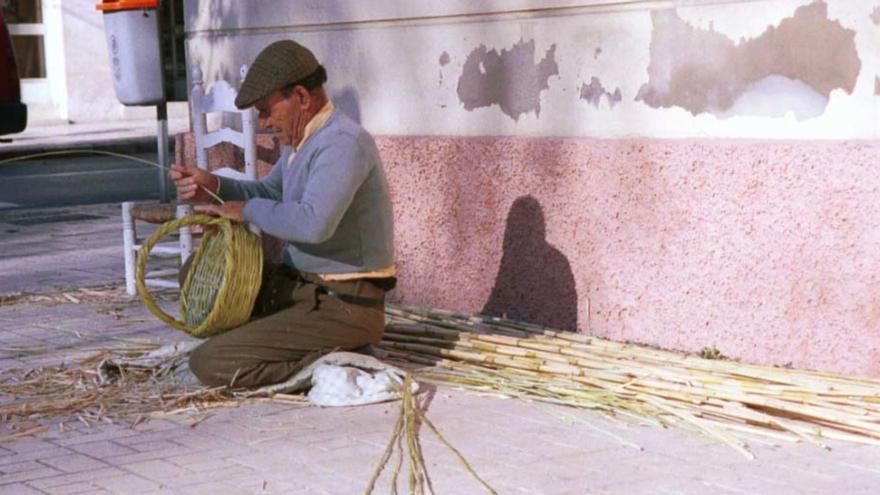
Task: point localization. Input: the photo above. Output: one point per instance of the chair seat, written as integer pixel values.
(154, 212)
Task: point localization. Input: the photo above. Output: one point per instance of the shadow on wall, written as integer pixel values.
(347, 101)
(535, 282)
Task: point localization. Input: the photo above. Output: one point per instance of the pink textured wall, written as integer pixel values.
(767, 250)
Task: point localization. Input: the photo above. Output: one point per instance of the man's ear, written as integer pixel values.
(303, 98)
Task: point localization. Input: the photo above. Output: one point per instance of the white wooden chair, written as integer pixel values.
(220, 98)
(131, 212)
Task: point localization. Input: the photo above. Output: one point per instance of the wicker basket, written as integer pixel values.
(223, 281)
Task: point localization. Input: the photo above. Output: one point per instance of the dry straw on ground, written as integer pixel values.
(78, 392)
(104, 294)
(729, 401)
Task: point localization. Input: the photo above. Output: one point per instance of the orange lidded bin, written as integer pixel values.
(132, 31)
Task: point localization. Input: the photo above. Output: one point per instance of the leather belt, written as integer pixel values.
(348, 298)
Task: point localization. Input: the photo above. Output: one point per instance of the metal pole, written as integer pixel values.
(162, 117)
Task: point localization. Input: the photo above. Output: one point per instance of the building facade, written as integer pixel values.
(64, 63)
(681, 174)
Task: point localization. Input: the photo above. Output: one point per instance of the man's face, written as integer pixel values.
(280, 115)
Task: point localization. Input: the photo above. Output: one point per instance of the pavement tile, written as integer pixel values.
(197, 440)
(151, 440)
(272, 480)
(352, 464)
(61, 479)
(676, 485)
(157, 469)
(98, 491)
(214, 488)
(154, 426)
(377, 439)
(164, 445)
(74, 463)
(200, 462)
(332, 485)
(72, 489)
(20, 489)
(860, 467)
(124, 460)
(102, 449)
(861, 457)
(19, 467)
(275, 461)
(32, 455)
(29, 445)
(286, 448)
(339, 441)
(127, 484)
(265, 487)
(185, 479)
(27, 476)
(91, 435)
(243, 435)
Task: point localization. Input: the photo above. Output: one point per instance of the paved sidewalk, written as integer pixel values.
(130, 135)
(281, 448)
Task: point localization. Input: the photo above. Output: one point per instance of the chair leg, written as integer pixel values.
(128, 243)
(186, 242)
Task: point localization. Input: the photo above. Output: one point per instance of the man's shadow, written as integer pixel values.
(535, 283)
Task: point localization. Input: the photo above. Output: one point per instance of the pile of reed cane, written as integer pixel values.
(723, 399)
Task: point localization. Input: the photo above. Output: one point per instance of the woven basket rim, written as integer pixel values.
(228, 232)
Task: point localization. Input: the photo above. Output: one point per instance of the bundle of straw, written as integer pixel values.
(405, 437)
(722, 399)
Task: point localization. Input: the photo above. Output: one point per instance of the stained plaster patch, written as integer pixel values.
(594, 92)
(804, 58)
(877, 85)
(875, 15)
(510, 79)
(444, 61)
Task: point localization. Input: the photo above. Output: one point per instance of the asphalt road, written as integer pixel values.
(77, 180)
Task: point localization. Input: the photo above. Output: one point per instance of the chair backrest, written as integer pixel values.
(221, 98)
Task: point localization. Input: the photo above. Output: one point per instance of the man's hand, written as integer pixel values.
(233, 210)
(191, 183)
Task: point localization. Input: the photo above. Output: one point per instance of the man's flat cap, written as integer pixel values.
(279, 64)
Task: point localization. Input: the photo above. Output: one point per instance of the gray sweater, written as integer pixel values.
(330, 203)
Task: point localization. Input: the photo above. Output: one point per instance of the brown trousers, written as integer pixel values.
(293, 318)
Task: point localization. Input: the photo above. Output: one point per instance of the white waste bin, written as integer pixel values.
(132, 31)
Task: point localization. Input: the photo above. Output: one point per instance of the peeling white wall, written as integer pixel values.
(383, 60)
